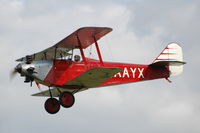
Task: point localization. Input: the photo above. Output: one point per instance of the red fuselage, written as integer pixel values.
(65, 70)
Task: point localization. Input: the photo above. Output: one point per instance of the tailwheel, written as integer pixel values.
(52, 105)
(66, 99)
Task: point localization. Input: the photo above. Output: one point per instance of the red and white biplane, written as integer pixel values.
(66, 74)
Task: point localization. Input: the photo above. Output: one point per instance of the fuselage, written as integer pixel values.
(59, 72)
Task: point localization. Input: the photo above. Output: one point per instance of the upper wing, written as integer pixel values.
(49, 54)
(94, 76)
(86, 36)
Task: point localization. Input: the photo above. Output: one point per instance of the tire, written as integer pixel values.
(66, 99)
(52, 105)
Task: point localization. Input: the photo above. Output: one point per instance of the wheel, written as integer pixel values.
(66, 99)
(52, 105)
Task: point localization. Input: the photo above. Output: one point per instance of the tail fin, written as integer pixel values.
(171, 56)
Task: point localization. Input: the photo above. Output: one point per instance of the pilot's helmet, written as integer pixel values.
(77, 58)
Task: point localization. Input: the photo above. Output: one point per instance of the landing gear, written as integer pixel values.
(52, 105)
(66, 99)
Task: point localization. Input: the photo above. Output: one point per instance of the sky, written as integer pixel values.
(141, 29)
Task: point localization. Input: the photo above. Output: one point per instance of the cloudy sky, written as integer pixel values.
(141, 29)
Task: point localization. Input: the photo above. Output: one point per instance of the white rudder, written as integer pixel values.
(173, 56)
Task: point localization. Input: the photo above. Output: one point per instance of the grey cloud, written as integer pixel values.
(141, 30)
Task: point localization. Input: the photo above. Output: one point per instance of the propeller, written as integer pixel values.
(13, 73)
(16, 70)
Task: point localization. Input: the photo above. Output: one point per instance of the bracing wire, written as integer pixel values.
(110, 51)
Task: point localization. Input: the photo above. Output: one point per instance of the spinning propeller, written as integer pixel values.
(16, 70)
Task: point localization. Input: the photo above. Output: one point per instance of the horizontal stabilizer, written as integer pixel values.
(167, 63)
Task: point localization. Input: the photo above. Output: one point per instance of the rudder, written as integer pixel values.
(173, 56)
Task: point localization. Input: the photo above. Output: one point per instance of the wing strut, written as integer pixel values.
(98, 51)
(81, 50)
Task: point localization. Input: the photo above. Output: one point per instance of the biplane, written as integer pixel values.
(65, 73)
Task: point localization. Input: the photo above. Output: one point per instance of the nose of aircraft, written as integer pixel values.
(18, 68)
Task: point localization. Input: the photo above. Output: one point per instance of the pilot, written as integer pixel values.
(77, 58)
